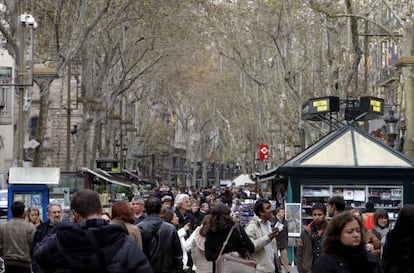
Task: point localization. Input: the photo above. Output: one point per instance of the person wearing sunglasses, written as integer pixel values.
(310, 241)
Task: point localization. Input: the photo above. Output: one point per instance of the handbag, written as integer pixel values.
(228, 263)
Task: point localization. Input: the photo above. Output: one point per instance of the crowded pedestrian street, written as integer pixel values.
(206, 136)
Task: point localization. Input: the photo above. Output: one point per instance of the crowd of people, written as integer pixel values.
(186, 232)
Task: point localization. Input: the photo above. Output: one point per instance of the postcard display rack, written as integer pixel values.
(389, 198)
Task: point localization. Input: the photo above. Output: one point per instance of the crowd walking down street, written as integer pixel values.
(188, 232)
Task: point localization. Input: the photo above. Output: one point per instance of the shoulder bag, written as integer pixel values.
(228, 263)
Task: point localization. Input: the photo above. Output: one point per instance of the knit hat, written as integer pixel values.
(166, 198)
(319, 206)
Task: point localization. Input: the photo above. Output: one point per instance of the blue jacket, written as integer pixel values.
(69, 250)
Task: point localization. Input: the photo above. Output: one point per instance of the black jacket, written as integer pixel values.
(161, 245)
(238, 241)
(42, 231)
(282, 237)
(347, 261)
(398, 253)
(185, 219)
(69, 250)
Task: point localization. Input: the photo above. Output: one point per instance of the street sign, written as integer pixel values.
(263, 152)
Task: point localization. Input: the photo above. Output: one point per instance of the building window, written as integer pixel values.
(33, 127)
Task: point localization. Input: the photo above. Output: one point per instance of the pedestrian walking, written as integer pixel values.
(282, 238)
(121, 214)
(398, 251)
(33, 216)
(54, 217)
(368, 215)
(344, 248)
(182, 207)
(336, 204)
(160, 240)
(165, 190)
(195, 212)
(172, 218)
(259, 230)
(89, 244)
(310, 241)
(198, 247)
(219, 225)
(167, 202)
(376, 236)
(137, 204)
(16, 238)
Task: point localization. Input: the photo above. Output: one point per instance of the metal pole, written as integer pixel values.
(121, 137)
(20, 156)
(68, 120)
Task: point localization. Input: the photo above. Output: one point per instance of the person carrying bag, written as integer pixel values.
(233, 263)
(223, 235)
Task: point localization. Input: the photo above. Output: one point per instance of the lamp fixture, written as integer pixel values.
(391, 122)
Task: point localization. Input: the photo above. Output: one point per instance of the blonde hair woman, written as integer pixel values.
(33, 216)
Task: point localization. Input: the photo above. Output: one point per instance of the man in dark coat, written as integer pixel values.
(282, 239)
(160, 240)
(54, 217)
(90, 244)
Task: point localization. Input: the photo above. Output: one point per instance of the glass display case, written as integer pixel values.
(311, 195)
(354, 196)
(387, 197)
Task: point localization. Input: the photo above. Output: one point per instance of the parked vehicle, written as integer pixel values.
(3, 202)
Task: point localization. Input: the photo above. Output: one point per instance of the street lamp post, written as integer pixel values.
(116, 148)
(124, 155)
(391, 122)
(20, 154)
(25, 20)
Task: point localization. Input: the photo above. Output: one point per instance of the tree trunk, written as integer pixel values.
(44, 88)
(408, 85)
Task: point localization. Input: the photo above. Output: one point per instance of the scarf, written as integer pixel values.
(381, 231)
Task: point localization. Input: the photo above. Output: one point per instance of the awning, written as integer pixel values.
(108, 177)
(34, 175)
(267, 175)
(132, 174)
(138, 180)
(242, 179)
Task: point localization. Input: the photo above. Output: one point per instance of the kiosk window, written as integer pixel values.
(30, 199)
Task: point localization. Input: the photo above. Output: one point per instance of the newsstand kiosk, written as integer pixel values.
(30, 185)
